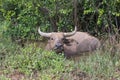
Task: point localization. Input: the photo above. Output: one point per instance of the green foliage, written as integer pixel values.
(103, 15)
(31, 58)
(55, 15)
(98, 65)
(25, 16)
(2, 77)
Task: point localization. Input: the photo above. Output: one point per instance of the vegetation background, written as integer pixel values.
(21, 58)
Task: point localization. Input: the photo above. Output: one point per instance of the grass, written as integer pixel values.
(33, 63)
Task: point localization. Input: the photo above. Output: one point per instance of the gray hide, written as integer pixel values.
(83, 42)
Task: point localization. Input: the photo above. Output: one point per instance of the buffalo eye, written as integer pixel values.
(51, 39)
(63, 39)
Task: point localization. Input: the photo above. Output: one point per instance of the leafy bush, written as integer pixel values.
(31, 58)
(96, 17)
(2, 77)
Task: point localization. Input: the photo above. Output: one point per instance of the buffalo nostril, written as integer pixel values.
(58, 45)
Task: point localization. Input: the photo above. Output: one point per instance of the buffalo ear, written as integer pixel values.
(69, 41)
(66, 41)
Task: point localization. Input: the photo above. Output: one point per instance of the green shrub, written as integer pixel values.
(31, 58)
(95, 17)
(2, 77)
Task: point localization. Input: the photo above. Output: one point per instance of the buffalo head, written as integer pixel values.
(57, 39)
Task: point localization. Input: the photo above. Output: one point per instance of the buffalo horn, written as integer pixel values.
(43, 33)
(71, 33)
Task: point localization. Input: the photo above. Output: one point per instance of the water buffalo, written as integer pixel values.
(70, 43)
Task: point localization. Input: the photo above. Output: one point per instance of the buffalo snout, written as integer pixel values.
(58, 47)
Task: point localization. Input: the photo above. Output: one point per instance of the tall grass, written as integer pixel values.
(98, 66)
